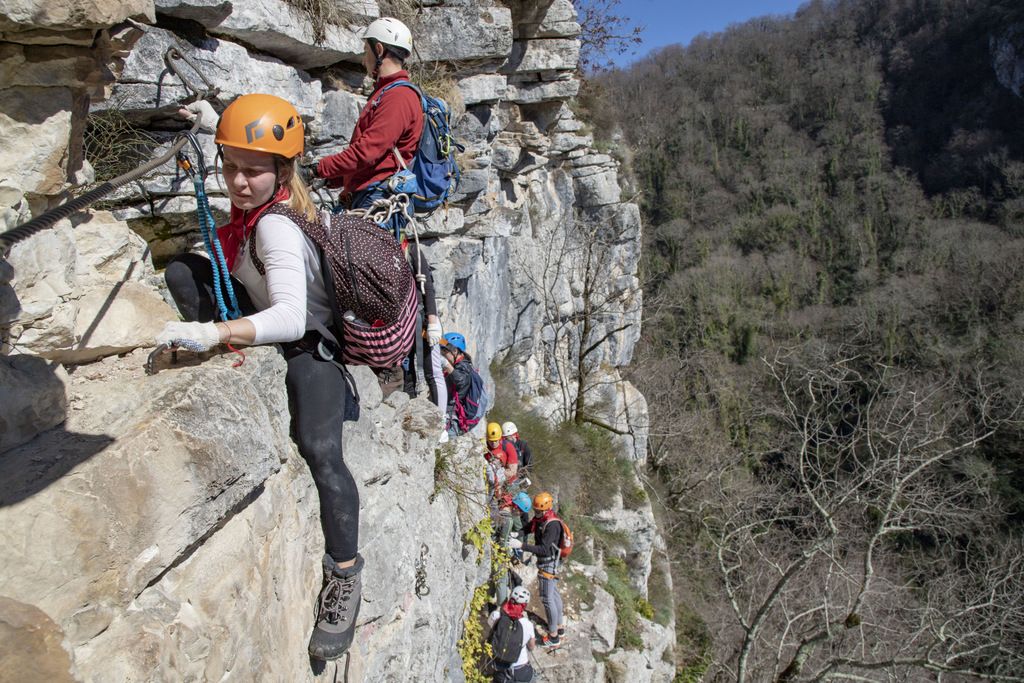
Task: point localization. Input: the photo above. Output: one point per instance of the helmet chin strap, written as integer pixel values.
(379, 58)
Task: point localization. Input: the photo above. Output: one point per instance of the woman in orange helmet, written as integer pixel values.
(280, 288)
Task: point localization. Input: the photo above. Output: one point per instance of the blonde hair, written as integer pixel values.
(301, 200)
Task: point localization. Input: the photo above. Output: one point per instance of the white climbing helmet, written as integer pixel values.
(391, 32)
(520, 595)
(508, 429)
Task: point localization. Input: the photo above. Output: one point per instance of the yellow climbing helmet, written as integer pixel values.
(262, 123)
(543, 501)
(493, 431)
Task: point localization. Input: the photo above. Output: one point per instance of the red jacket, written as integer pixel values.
(396, 121)
(505, 453)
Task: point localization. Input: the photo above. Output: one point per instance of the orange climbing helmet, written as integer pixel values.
(262, 123)
(543, 501)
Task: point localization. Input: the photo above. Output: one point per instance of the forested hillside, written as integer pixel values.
(833, 347)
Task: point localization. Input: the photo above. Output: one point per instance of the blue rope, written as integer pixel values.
(217, 261)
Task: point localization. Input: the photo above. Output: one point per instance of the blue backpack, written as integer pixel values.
(434, 175)
(470, 409)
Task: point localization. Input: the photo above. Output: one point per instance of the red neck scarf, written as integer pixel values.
(233, 235)
(513, 609)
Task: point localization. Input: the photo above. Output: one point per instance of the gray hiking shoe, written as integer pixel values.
(337, 610)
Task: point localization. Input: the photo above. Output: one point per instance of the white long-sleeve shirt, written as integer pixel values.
(293, 291)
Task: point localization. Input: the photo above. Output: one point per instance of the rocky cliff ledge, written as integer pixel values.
(155, 529)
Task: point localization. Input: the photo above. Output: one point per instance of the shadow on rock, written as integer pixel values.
(30, 468)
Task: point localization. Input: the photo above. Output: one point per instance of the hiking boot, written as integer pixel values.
(337, 609)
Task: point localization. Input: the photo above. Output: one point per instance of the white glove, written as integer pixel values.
(434, 332)
(192, 336)
(515, 543)
(208, 118)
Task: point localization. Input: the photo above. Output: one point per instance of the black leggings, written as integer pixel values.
(318, 397)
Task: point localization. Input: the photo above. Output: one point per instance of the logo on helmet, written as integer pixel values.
(253, 131)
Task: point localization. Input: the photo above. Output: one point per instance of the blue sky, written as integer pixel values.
(678, 21)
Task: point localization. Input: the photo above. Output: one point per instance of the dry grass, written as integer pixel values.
(324, 13)
(114, 145)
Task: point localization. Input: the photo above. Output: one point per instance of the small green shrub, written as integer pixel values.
(627, 632)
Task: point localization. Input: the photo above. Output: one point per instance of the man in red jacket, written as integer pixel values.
(392, 118)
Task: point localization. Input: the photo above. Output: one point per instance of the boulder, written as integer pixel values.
(35, 134)
(47, 66)
(106, 321)
(481, 32)
(82, 291)
(32, 398)
(144, 469)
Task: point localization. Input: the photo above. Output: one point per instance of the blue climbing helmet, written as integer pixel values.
(456, 340)
(522, 501)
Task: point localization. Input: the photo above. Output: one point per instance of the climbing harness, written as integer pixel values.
(422, 589)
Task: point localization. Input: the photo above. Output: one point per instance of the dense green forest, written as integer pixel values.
(833, 345)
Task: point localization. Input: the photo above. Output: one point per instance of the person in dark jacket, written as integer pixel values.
(547, 534)
(458, 375)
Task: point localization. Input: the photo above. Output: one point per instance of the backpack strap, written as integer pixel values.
(408, 84)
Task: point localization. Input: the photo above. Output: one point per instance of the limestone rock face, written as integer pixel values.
(543, 55)
(32, 645)
(144, 83)
(483, 33)
(185, 497)
(546, 19)
(272, 26)
(81, 292)
(18, 15)
(35, 127)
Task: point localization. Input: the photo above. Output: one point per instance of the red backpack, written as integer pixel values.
(565, 544)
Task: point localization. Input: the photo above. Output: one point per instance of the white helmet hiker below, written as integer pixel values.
(391, 32)
(508, 429)
(520, 595)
